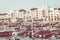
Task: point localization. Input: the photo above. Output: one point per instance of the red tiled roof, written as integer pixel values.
(6, 34)
(46, 33)
(56, 8)
(43, 32)
(33, 8)
(21, 10)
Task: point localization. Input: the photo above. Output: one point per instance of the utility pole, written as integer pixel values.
(32, 26)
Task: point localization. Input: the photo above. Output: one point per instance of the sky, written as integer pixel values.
(7, 5)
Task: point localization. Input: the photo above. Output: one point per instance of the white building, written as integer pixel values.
(21, 13)
(34, 13)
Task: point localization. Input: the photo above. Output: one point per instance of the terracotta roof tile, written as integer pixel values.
(21, 10)
(33, 8)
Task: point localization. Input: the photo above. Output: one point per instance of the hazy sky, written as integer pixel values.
(7, 5)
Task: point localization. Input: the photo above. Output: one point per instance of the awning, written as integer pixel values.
(44, 34)
(6, 34)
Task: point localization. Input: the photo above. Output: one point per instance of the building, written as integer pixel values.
(34, 13)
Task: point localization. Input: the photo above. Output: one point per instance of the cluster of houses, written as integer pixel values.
(42, 23)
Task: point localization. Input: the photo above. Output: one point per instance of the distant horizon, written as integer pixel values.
(7, 5)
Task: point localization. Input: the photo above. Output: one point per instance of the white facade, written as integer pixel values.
(46, 13)
(21, 13)
(34, 13)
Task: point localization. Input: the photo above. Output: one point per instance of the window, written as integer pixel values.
(30, 17)
(27, 17)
